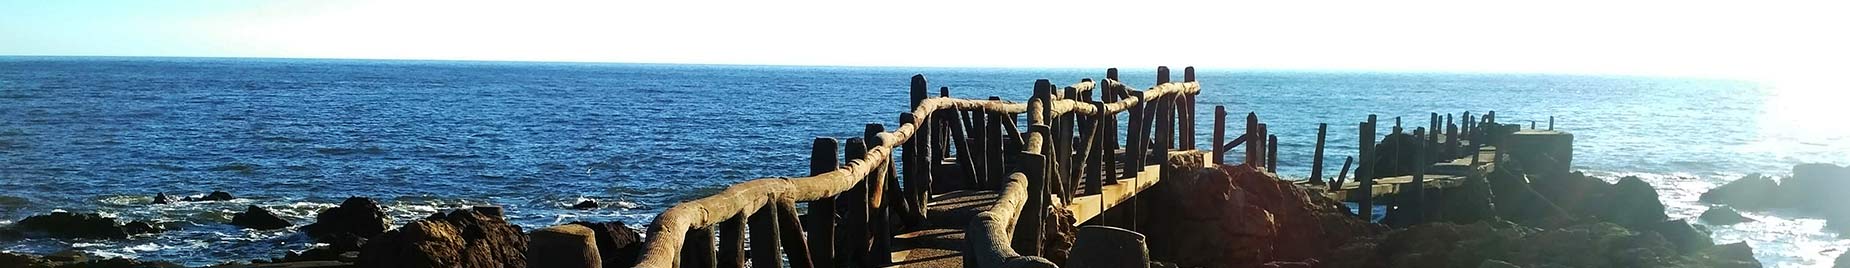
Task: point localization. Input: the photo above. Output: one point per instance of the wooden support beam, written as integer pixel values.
(880, 211)
(1364, 174)
(1271, 157)
(732, 242)
(1316, 159)
(1134, 145)
(1095, 161)
(1338, 184)
(796, 249)
(700, 250)
(854, 204)
(1027, 235)
(1253, 149)
(822, 211)
(1220, 134)
(764, 232)
(994, 173)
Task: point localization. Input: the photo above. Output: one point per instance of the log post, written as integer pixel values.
(765, 253)
(1252, 144)
(1134, 142)
(732, 242)
(1340, 175)
(1364, 175)
(1095, 159)
(1271, 153)
(1265, 148)
(700, 251)
(822, 211)
(1111, 134)
(1027, 235)
(854, 203)
(1551, 122)
(1220, 134)
(1165, 129)
(1316, 158)
(1068, 173)
(1188, 111)
(993, 152)
(918, 171)
(1416, 198)
(796, 249)
(881, 210)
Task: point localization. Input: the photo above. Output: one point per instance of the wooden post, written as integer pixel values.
(732, 242)
(1265, 148)
(797, 250)
(1340, 175)
(1134, 145)
(1111, 130)
(854, 245)
(1220, 134)
(1417, 205)
(1253, 156)
(1271, 153)
(1165, 129)
(917, 180)
(1365, 175)
(880, 211)
(1316, 159)
(1551, 122)
(1188, 111)
(700, 250)
(765, 253)
(1095, 159)
(994, 150)
(1027, 237)
(966, 154)
(1068, 172)
(822, 211)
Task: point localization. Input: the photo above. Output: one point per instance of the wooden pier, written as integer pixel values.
(971, 182)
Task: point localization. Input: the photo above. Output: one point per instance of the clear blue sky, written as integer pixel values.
(1734, 38)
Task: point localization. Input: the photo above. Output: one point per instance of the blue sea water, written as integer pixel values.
(93, 134)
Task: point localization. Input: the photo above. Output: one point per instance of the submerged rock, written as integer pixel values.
(347, 226)
(161, 198)
(1723, 215)
(587, 204)
(214, 196)
(463, 238)
(72, 225)
(141, 227)
(617, 244)
(255, 217)
(1749, 192)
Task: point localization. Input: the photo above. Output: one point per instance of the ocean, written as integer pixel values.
(101, 134)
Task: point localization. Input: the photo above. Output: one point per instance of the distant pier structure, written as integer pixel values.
(972, 182)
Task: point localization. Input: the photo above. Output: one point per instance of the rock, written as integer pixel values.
(1240, 216)
(255, 217)
(162, 198)
(1396, 154)
(1101, 246)
(347, 226)
(72, 225)
(1687, 238)
(1749, 192)
(1723, 215)
(141, 227)
(1843, 260)
(565, 246)
(1057, 233)
(8, 259)
(1633, 204)
(1291, 264)
(73, 259)
(617, 244)
(463, 238)
(1736, 255)
(1817, 188)
(587, 204)
(214, 196)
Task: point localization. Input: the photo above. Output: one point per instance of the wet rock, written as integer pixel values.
(1723, 215)
(587, 204)
(617, 244)
(1496, 264)
(1687, 238)
(141, 227)
(255, 217)
(1395, 155)
(8, 259)
(1816, 187)
(1634, 203)
(1736, 255)
(11, 260)
(214, 196)
(1843, 260)
(471, 238)
(71, 225)
(1749, 192)
(162, 198)
(347, 226)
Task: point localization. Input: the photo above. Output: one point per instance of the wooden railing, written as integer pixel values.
(942, 137)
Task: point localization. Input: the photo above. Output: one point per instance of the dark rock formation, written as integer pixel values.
(1685, 237)
(587, 204)
(141, 227)
(347, 226)
(1396, 154)
(1750, 192)
(1057, 234)
(1587, 244)
(564, 246)
(162, 198)
(1816, 187)
(463, 238)
(1633, 204)
(13, 260)
(255, 217)
(1723, 215)
(1843, 260)
(1736, 255)
(1239, 216)
(214, 196)
(71, 225)
(617, 244)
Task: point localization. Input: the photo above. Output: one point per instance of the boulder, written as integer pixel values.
(72, 225)
(1395, 155)
(1723, 215)
(11, 260)
(141, 227)
(255, 217)
(1749, 192)
(617, 244)
(564, 246)
(1633, 204)
(1736, 255)
(1685, 237)
(161, 198)
(1843, 260)
(214, 196)
(1057, 233)
(347, 226)
(1816, 187)
(1241, 216)
(469, 238)
(1100, 246)
(587, 204)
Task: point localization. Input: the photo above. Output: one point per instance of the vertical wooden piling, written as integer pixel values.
(1095, 159)
(1365, 175)
(854, 243)
(917, 180)
(700, 251)
(880, 223)
(1271, 153)
(822, 211)
(1316, 159)
(732, 242)
(1253, 156)
(1027, 237)
(1341, 174)
(795, 248)
(1111, 129)
(765, 252)
(1415, 200)
(1220, 135)
(1165, 129)
(1133, 142)
(995, 172)
(1188, 111)
(1265, 149)
(1551, 122)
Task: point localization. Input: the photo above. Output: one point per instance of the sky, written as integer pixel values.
(1688, 38)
